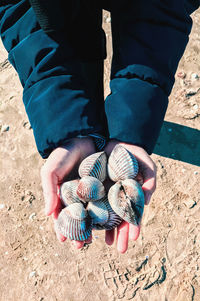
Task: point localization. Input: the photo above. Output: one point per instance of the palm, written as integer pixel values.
(60, 164)
(147, 178)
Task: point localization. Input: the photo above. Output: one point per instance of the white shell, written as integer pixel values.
(122, 164)
(95, 165)
(98, 212)
(74, 222)
(68, 193)
(103, 212)
(127, 200)
(90, 189)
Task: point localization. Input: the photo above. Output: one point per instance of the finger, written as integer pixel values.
(58, 208)
(78, 244)
(59, 236)
(122, 237)
(49, 185)
(110, 237)
(148, 188)
(134, 231)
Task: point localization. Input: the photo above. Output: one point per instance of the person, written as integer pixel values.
(58, 49)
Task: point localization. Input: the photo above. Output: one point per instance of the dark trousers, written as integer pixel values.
(59, 59)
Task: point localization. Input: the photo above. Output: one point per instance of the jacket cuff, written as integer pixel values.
(136, 107)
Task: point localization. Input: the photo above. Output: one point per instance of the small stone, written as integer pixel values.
(194, 76)
(190, 93)
(108, 19)
(6, 253)
(5, 128)
(181, 74)
(191, 203)
(41, 228)
(170, 130)
(196, 173)
(32, 274)
(195, 107)
(32, 215)
(2, 206)
(56, 255)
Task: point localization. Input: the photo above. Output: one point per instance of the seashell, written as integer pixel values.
(90, 189)
(103, 217)
(74, 222)
(68, 193)
(127, 200)
(122, 164)
(95, 166)
(98, 212)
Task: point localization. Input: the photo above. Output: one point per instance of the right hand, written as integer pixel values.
(60, 164)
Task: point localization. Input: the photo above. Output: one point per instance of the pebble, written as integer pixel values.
(194, 76)
(190, 204)
(6, 253)
(5, 128)
(56, 254)
(190, 93)
(32, 274)
(108, 19)
(181, 74)
(2, 206)
(195, 107)
(32, 215)
(196, 173)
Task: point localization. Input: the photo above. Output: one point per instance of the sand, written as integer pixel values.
(164, 263)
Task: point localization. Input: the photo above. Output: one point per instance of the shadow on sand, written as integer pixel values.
(179, 142)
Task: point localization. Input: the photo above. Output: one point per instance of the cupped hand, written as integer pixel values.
(147, 178)
(61, 162)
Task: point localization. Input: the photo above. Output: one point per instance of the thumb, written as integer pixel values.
(148, 188)
(49, 185)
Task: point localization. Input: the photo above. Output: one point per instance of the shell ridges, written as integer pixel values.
(122, 164)
(95, 166)
(74, 222)
(127, 200)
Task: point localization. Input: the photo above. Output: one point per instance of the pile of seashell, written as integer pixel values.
(87, 203)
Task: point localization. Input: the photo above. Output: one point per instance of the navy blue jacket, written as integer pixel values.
(60, 66)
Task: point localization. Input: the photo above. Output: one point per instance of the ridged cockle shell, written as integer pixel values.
(90, 189)
(68, 193)
(98, 212)
(122, 164)
(94, 165)
(103, 217)
(127, 200)
(74, 222)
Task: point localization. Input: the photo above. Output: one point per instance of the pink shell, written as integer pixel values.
(90, 189)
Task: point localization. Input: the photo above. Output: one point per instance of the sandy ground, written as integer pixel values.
(164, 264)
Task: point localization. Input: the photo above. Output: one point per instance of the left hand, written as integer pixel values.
(147, 178)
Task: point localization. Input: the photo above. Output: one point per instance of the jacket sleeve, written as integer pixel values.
(149, 39)
(57, 97)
